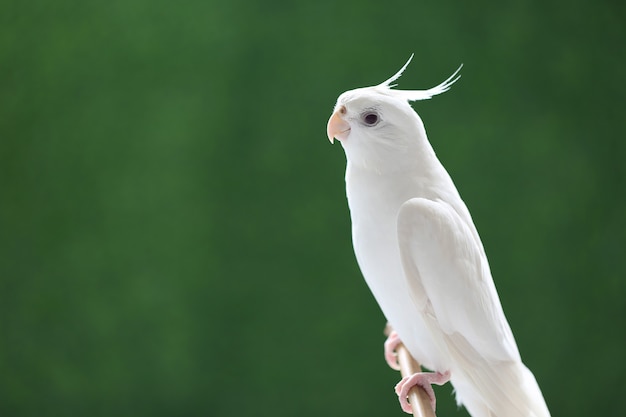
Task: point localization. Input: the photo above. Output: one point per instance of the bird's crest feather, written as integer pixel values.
(414, 95)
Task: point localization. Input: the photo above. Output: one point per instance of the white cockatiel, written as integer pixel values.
(421, 256)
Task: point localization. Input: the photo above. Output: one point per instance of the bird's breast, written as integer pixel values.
(374, 206)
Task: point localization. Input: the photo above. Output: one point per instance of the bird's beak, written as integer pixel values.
(337, 127)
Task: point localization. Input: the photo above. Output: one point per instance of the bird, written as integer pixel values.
(420, 253)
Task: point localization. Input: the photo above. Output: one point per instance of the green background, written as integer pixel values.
(175, 239)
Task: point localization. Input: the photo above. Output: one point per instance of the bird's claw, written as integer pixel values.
(423, 380)
(392, 342)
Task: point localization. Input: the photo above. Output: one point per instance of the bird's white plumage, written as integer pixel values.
(415, 95)
(421, 256)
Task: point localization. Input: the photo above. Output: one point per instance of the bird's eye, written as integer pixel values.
(370, 119)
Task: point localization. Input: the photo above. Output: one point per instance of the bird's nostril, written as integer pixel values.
(342, 110)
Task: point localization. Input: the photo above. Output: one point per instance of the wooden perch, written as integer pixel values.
(420, 402)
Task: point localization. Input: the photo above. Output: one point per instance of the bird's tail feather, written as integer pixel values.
(508, 389)
(497, 388)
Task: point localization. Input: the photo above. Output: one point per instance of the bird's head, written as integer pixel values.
(375, 124)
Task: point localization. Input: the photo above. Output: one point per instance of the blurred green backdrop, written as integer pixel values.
(175, 239)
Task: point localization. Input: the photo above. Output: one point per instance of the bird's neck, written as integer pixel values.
(416, 168)
(372, 191)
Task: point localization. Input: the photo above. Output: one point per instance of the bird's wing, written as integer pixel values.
(449, 279)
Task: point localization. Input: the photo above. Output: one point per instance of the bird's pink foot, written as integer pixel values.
(424, 380)
(393, 340)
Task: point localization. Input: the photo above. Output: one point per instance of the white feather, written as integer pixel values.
(448, 275)
(415, 95)
(397, 75)
(421, 256)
